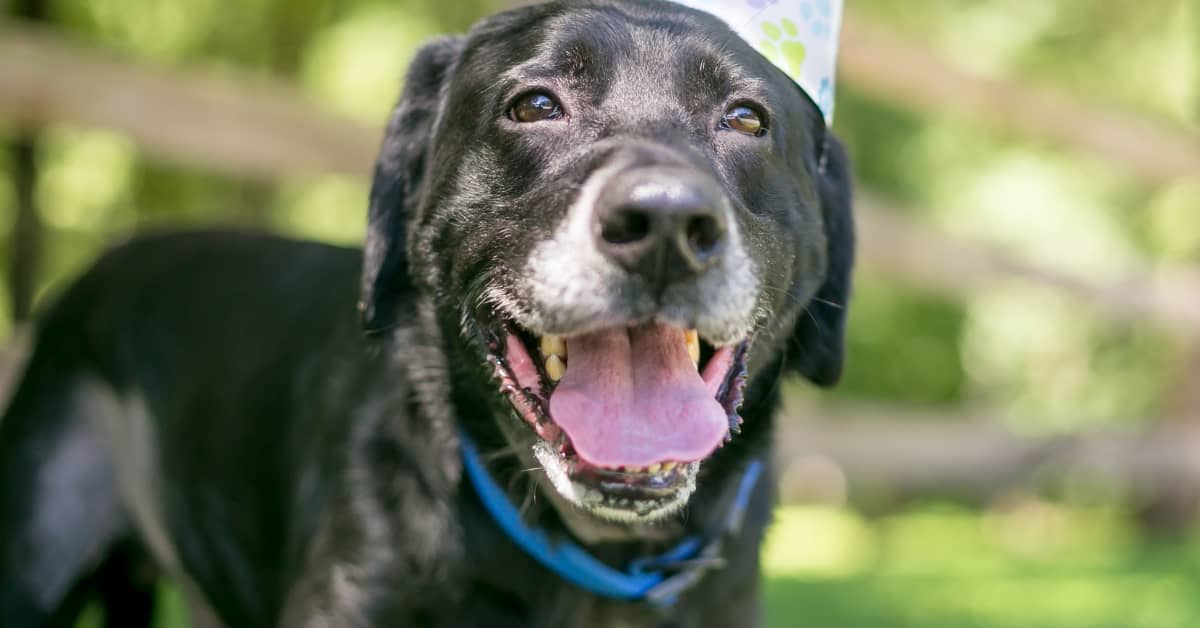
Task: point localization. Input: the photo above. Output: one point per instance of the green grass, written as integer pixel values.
(1032, 565)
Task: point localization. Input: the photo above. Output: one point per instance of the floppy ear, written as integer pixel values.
(817, 350)
(396, 188)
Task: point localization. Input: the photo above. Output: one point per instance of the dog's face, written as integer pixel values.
(627, 213)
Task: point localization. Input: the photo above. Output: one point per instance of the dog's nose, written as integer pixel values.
(663, 225)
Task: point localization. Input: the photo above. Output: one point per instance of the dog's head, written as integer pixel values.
(626, 212)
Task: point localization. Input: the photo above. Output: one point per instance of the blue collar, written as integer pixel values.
(657, 580)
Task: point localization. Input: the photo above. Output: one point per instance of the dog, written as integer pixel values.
(600, 233)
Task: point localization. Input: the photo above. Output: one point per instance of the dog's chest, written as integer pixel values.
(582, 611)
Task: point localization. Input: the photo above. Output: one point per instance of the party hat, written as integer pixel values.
(798, 36)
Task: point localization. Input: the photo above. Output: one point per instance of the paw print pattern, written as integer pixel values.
(824, 97)
(782, 47)
(759, 5)
(818, 14)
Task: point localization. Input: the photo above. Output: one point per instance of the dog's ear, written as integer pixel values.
(396, 188)
(817, 349)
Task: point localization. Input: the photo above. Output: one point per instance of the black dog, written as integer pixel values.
(563, 196)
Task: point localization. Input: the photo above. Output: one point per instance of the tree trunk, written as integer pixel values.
(26, 236)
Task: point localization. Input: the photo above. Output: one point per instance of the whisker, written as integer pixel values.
(791, 297)
(816, 321)
(530, 500)
(839, 306)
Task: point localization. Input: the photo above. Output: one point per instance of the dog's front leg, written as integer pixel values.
(386, 548)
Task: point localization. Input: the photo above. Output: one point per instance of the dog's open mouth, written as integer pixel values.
(623, 414)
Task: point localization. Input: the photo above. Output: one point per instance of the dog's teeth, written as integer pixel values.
(668, 466)
(693, 345)
(555, 367)
(554, 345)
(654, 468)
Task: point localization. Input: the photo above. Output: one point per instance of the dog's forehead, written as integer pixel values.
(658, 44)
(625, 30)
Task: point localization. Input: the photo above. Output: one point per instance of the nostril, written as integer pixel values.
(704, 235)
(625, 227)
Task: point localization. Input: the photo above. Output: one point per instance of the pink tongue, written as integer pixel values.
(633, 397)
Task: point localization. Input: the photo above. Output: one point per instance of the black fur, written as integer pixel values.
(211, 400)
(817, 348)
(396, 189)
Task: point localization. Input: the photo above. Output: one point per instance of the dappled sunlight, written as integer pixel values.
(328, 208)
(818, 542)
(87, 179)
(1053, 366)
(1139, 55)
(1053, 215)
(357, 64)
(987, 37)
(1173, 217)
(163, 30)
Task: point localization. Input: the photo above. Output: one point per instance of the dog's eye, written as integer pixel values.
(744, 119)
(535, 107)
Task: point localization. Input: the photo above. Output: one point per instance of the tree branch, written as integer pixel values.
(906, 454)
(900, 247)
(897, 71)
(259, 129)
(26, 239)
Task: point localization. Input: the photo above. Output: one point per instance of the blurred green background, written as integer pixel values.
(1017, 440)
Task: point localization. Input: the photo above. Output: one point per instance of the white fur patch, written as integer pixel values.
(570, 287)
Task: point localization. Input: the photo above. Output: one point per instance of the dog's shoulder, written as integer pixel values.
(211, 320)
